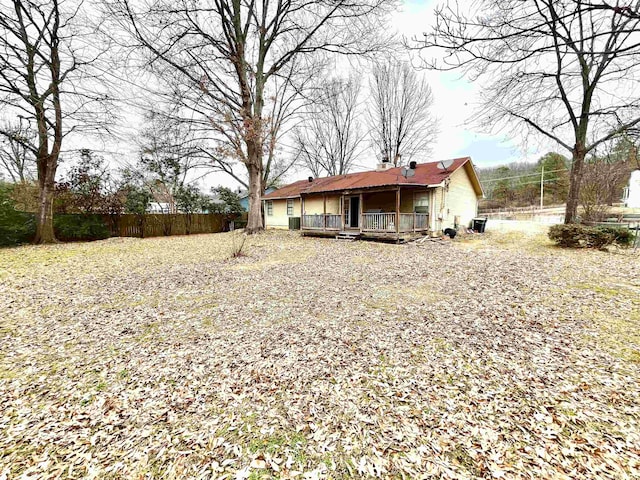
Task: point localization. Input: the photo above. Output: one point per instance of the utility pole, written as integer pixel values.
(542, 188)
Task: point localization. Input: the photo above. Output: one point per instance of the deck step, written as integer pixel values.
(351, 236)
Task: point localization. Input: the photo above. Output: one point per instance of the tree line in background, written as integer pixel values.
(233, 79)
(229, 84)
(566, 71)
(603, 181)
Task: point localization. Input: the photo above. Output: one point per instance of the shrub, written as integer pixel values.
(582, 236)
(237, 244)
(15, 227)
(622, 236)
(80, 227)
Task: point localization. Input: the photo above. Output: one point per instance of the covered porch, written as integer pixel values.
(390, 213)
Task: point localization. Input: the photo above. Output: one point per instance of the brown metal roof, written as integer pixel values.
(426, 174)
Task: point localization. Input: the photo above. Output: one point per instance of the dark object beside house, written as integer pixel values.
(478, 224)
(294, 223)
(450, 232)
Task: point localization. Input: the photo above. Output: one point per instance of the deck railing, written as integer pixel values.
(422, 221)
(406, 222)
(333, 221)
(321, 221)
(414, 222)
(370, 222)
(379, 222)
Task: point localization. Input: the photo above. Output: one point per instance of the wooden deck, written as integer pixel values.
(382, 226)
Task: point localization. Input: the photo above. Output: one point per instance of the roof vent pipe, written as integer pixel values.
(413, 164)
(310, 179)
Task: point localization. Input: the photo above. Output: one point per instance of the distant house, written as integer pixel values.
(161, 207)
(161, 199)
(244, 197)
(631, 197)
(383, 203)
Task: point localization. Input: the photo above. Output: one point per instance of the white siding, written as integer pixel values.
(458, 199)
(462, 199)
(280, 219)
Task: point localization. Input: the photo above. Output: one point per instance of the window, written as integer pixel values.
(270, 207)
(290, 207)
(421, 202)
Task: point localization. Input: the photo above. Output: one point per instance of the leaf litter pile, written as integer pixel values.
(310, 358)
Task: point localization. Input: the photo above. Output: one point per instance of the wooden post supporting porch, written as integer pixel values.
(324, 212)
(398, 211)
(361, 211)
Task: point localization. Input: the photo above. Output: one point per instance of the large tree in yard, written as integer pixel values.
(44, 55)
(229, 52)
(565, 69)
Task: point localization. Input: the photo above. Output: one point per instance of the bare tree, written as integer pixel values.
(400, 121)
(169, 154)
(18, 151)
(285, 97)
(567, 70)
(227, 52)
(330, 140)
(42, 64)
(602, 183)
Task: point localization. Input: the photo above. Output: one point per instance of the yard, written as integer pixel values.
(311, 358)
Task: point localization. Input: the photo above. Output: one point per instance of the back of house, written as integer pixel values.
(388, 202)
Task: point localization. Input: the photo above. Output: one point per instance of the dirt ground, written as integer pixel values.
(490, 356)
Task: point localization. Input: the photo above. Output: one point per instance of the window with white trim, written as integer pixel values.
(270, 207)
(290, 207)
(421, 202)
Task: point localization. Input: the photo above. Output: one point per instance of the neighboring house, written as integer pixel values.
(160, 207)
(631, 197)
(161, 199)
(244, 197)
(381, 203)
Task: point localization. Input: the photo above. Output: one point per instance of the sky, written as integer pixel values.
(454, 102)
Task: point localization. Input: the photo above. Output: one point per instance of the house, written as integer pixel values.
(631, 197)
(390, 202)
(162, 200)
(244, 197)
(161, 207)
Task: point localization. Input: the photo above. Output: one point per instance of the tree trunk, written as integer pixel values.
(44, 216)
(575, 179)
(254, 221)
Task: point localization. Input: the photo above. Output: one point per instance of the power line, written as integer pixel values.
(537, 174)
(537, 182)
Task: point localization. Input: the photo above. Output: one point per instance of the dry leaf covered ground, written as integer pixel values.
(492, 357)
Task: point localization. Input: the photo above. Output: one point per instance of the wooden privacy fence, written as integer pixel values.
(157, 225)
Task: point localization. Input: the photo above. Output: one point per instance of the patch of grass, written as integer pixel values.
(441, 345)
(460, 456)
(150, 331)
(282, 256)
(275, 443)
(8, 374)
(395, 295)
(259, 474)
(617, 331)
(535, 241)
